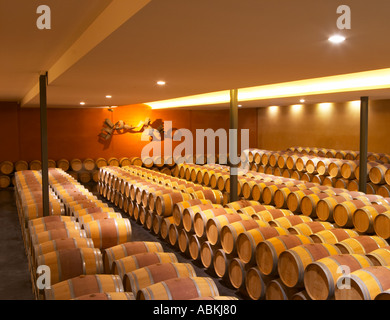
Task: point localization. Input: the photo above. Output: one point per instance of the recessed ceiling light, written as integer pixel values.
(161, 83)
(82, 103)
(108, 96)
(240, 105)
(302, 100)
(337, 38)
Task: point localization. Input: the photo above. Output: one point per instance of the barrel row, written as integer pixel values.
(83, 170)
(156, 191)
(198, 247)
(236, 263)
(140, 270)
(70, 245)
(341, 173)
(340, 154)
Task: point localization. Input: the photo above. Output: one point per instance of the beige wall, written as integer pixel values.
(333, 125)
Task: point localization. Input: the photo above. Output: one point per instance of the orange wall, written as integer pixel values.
(73, 133)
(335, 126)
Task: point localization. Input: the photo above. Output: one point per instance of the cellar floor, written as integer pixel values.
(15, 281)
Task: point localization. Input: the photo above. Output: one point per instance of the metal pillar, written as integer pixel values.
(233, 145)
(363, 144)
(44, 149)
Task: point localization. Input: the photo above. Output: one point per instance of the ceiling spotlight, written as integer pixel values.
(161, 83)
(240, 105)
(337, 38)
(302, 100)
(108, 96)
(82, 103)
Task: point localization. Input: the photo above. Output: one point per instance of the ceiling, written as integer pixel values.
(121, 48)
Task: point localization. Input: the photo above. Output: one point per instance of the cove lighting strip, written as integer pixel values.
(367, 80)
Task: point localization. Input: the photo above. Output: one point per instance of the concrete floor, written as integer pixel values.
(15, 281)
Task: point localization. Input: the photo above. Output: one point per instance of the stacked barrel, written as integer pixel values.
(336, 168)
(269, 248)
(84, 170)
(66, 245)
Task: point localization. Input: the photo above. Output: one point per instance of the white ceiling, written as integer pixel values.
(195, 46)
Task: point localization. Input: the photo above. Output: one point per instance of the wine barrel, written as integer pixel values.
(82, 285)
(60, 244)
(294, 199)
(201, 218)
(107, 296)
(194, 247)
(277, 290)
(271, 214)
(385, 295)
(128, 249)
(325, 207)
(365, 284)
(380, 173)
(21, 165)
(348, 169)
(333, 236)
(309, 228)
(179, 289)
(101, 162)
(165, 202)
(230, 232)
(76, 165)
(189, 214)
(215, 196)
(179, 207)
(256, 284)
(207, 254)
(361, 244)
(146, 276)
(384, 190)
(140, 260)
(281, 195)
(214, 225)
(382, 225)
(44, 236)
(250, 211)
(69, 263)
(34, 229)
(363, 218)
(221, 262)
(5, 181)
(292, 262)
(309, 203)
(289, 221)
(247, 241)
(380, 257)
(321, 276)
(268, 251)
(343, 212)
(50, 219)
(35, 165)
(98, 216)
(107, 233)
(237, 271)
(6, 167)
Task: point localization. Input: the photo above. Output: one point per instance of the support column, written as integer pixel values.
(44, 149)
(363, 144)
(233, 145)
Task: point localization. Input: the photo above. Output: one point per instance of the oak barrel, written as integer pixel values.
(292, 262)
(179, 289)
(321, 277)
(82, 285)
(143, 277)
